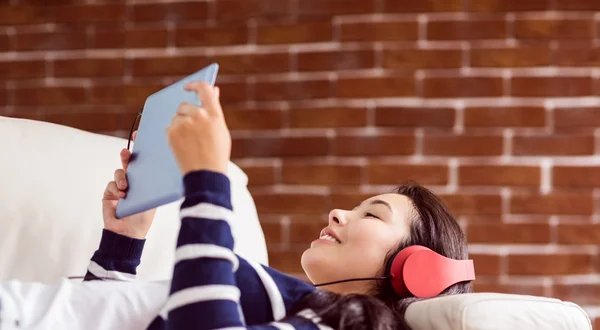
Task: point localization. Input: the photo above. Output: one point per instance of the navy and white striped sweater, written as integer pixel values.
(211, 288)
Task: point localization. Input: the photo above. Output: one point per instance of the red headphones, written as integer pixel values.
(423, 273)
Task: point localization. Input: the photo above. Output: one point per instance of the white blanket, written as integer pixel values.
(76, 305)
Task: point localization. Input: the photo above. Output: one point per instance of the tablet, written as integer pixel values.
(153, 175)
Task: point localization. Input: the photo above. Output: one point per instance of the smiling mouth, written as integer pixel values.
(330, 238)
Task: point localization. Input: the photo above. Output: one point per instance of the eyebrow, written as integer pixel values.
(379, 201)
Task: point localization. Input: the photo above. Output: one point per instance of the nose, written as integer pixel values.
(338, 217)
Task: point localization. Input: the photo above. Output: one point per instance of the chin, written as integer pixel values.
(316, 264)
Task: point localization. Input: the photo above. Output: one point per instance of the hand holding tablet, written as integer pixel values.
(153, 174)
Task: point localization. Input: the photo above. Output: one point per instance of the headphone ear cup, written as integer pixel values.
(423, 273)
(396, 272)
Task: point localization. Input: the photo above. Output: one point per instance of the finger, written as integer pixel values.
(125, 156)
(187, 109)
(207, 96)
(134, 135)
(112, 192)
(217, 93)
(120, 179)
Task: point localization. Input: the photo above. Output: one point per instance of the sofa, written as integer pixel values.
(51, 182)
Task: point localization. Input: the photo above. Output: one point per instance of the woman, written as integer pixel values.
(212, 288)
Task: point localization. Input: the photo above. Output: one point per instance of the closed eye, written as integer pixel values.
(371, 215)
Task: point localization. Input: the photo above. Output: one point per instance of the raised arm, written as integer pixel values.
(122, 240)
(204, 291)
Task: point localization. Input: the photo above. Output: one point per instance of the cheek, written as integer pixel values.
(370, 243)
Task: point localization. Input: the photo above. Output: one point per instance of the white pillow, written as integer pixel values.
(52, 178)
(496, 311)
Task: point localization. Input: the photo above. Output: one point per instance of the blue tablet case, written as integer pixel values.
(153, 175)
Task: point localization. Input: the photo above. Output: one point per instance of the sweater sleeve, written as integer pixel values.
(117, 258)
(204, 292)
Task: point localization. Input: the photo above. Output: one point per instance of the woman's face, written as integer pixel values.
(357, 241)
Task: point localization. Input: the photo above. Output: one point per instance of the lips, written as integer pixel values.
(329, 232)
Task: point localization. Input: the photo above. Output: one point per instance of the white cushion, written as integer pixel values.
(496, 311)
(52, 178)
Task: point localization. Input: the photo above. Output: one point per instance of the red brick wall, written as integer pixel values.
(492, 103)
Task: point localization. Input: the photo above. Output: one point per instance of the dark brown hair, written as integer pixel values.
(433, 226)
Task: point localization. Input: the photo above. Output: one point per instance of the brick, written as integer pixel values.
(89, 13)
(146, 38)
(577, 56)
(494, 6)
(5, 42)
(505, 117)
(211, 36)
(578, 234)
(22, 69)
(414, 117)
(391, 86)
(166, 66)
(252, 119)
(294, 33)
(292, 90)
(501, 175)
(463, 145)
(555, 264)
(233, 92)
(555, 145)
(577, 117)
(22, 14)
(469, 204)
(347, 199)
(49, 96)
(59, 40)
(578, 5)
(3, 97)
(170, 11)
(583, 294)
(558, 203)
(280, 147)
(554, 28)
(284, 203)
(505, 233)
(380, 31)
(413, 59)
(519, 289)
(510, 57)
(260, 175)
(91, 67)
(416, 6)
(576, 176)
(135, 37)
(286, 261)
(304, 231)
(374, 145)
(551, 86)
(486, 264)
(273, 231)
(255, 63)
(335, 60)
(129, 94)
(320, 174)
(467, 30)
(327, 117)
(391, 174)
(436, 87)
(88, 121)
(261, 10)
(319, 8)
